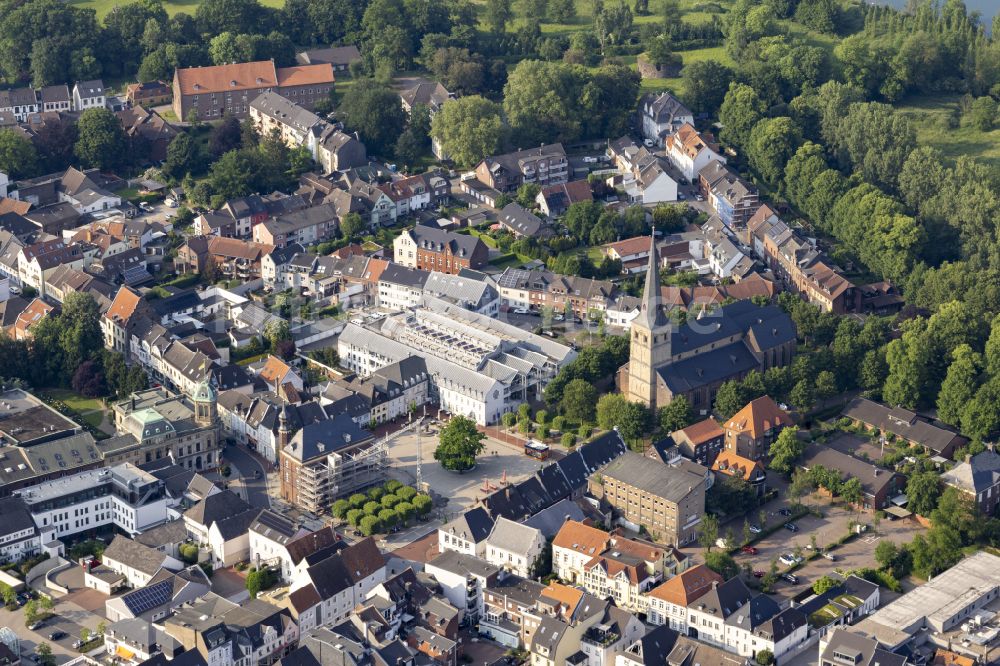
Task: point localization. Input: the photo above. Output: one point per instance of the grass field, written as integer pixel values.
(929, 115)
(76, 401)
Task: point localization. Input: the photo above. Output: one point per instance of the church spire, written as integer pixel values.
(650, 315)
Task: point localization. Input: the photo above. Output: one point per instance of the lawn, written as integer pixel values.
(102, 7)
(76, 401)
(929, 116)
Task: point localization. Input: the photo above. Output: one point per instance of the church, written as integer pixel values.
(694, 359)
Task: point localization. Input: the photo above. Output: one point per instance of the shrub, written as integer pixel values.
(558, 423)
(568, 439)
(508, 420)
(542, 417)
(584, 432)
(189, 552)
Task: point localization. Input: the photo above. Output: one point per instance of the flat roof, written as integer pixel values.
(24, 418)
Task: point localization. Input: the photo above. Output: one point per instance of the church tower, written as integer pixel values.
(649, 346)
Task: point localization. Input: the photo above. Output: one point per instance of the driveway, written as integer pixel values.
(248, 466)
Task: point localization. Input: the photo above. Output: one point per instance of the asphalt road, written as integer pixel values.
(247, 465)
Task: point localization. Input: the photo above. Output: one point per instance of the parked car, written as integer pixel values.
(521, 311)
(757, 573)
(749, 550)
(789, 559)
(830, 556)
(755, 529)
(145, 206)
(791, 527)
(791, 578)
(36, 626)
(558, 317)
(77, 644)
(590, 160)
(56, 635)
(649, 143)
(785, 512)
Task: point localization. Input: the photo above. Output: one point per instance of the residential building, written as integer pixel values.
(327, 460)
(225, 633)
(545, 165)
(709, 615)
(148, 93)
(478, 365)
(555, 200)
(211, 92)
(391, 392)
(122, 496)
(430, 94)
(37, 262)
(690, 151)
(649, 182)
(338, 151)
(86, 191)
(700, 442)
(467, 534)
(463, 580)
(432, 249)
(879, 487)
(563, 294)
(134, 641)
(728, 464)
(669, 601)
(514, 547)
(522, 223)
(800, 264)
(667, 501)
(510, 611)
(19, 103)
(89, 95)
(751, 431)
(338, 57)
(979, 477)
(904, 425)
(55, 98)
(662, 115)
(694, 359)
(269, 536)
(221, 523)
(846, 648)
(326, 592)
(149, 128)
(136, 563)
(165, 592)
(732, 198)
(304, 227)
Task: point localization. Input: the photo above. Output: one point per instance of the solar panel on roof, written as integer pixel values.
(149, 597)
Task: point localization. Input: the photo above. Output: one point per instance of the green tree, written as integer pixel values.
(44, 651)
(960, 384)
(354, 516)
(709, 532)
(741, 109)
(771, 145)
(729, 399)
(101, 142)
(629, 418)
(357, 500)
(340, 508)
(885, 553)
(705, 84)
(579, 400)
(259, 580)
(423, 504)
(469, 128)
(189, 552)
(375, 112)
(802, 395)
(676, 415)
(9, 595)
(722, 563)
(352, 225)
(459, 444)
(824, 583)
(526, 195)
(764, 657)
(183, 156)
(826, 385)
(404, 512)
(785, 451)
(983, 113)
(369, 525)
(923, 491)
(18, 156)
(852, 492)
(498, 14)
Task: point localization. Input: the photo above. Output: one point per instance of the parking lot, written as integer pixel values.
(832, 526)
(69, 619)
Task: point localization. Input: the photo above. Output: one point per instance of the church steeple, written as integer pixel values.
(649, 339)
(650, 315)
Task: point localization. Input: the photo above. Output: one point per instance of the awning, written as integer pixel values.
(897, 512)
(123, 653)
(900, 500)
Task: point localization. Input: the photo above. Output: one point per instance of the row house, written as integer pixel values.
(545, 165)
(389, 393)
(282, 543)
(431, 249)
(254, 420)
(89, 95)
(606, 564)
(583, 297)
(731, 197)
(690, 152)
(37, 262)
(148, 93)
(418, 192)
(326, 592)
(297, 127)
(800, 264)
(304, 227)
(55, 98)
(19, 102)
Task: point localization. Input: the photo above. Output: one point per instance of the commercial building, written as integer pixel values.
(122, 496)
(479, 367)
(667, 501)
(208, 93)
